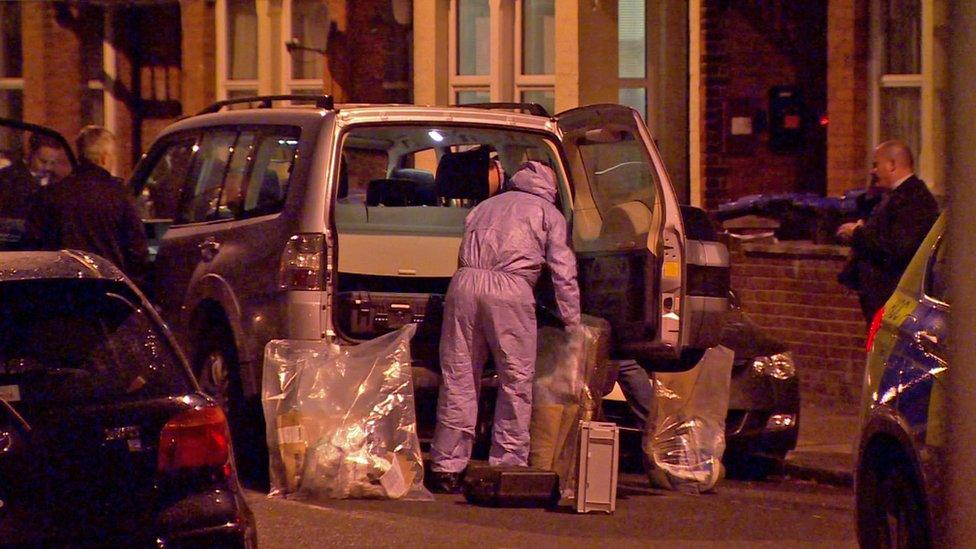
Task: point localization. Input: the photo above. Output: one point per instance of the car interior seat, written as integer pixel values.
(425, 187)
(392, 192)
(462, 177)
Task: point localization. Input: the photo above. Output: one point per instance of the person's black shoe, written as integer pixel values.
(443, 483)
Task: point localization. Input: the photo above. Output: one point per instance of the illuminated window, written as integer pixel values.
(518, 37)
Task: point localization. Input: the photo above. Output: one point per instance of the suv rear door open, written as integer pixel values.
(629, 236)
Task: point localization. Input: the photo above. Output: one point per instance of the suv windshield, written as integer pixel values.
(82, 341)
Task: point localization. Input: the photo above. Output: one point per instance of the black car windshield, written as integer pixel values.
(74, 341)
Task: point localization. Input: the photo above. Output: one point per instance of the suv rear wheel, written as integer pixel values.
(218, 372)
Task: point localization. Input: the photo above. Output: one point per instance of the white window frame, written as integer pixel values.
(645, 83)
(458, 83)
(296, 85)
(225, 84)
(109, 73)
(505, 81)
(931, 144)
(528, 82)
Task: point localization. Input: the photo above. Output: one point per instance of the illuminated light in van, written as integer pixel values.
(436, 135)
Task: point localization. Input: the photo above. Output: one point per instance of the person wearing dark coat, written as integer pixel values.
(883, 244)
(91, 211)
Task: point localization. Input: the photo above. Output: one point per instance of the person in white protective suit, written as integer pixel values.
(490, 307)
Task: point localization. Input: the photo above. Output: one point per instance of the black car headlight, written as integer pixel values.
(779, 366)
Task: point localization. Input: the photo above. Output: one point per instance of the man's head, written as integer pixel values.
(97, 145)
(892, 162)
(47, 158)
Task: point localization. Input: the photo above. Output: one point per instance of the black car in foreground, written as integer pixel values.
(105, 437)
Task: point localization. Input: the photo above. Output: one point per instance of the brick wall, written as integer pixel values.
(791, 290)
(749, 47)
(847, 94)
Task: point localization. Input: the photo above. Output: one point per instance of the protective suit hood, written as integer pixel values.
(534, 178)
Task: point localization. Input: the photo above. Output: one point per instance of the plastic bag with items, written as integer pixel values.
(571, 372)
(341, 421)
(689, 438)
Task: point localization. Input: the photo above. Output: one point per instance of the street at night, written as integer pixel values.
(779, 513)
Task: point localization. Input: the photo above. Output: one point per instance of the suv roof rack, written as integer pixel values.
(527, 108)
(321, 101)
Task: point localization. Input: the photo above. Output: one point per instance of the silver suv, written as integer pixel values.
(343, 221)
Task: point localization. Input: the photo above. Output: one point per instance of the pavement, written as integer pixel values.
(825, 449)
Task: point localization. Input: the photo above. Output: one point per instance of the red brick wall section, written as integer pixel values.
(847, 88)
(796, 298)
(52, 67)
(749, 48)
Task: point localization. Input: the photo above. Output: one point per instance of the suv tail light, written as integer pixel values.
(873, 330)
(303, 263)
(195, 439)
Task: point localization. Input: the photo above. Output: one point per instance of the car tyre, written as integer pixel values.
(218, 372)
(890, 508)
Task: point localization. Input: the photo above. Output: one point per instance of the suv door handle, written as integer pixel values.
(209, 248)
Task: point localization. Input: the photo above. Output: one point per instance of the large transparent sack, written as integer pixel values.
(571, 371)
(689, 438)
(341, 421)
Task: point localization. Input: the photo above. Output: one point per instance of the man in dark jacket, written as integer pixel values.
(90, 210)
(883, 244)
(490, 308)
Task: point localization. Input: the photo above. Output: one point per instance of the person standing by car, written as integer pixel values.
(90, 210)
(20, 181)
(884, 243)
(490, 307)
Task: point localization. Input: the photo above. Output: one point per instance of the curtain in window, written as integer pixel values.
(474, 37)
(310, 25)
(539, 37)
(901, 116)
(242, 40)
(631, 34)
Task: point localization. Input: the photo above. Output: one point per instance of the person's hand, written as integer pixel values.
(846, 231)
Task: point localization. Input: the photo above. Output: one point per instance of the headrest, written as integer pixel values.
(426, 190)
(392, 192)
(463, 175)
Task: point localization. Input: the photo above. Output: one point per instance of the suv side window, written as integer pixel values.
(273, 159)
(161, 193)
(201, 195)
(622, 173)
(232, 195)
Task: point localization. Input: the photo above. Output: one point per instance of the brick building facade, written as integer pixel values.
(136, 66)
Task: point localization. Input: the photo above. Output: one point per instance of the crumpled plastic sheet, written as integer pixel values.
(572, 368)
(341, 421)
(689, 438)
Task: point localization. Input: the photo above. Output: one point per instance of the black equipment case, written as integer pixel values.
(508, 486)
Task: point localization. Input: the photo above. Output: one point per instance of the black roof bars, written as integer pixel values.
(527, 108)
(321, 101)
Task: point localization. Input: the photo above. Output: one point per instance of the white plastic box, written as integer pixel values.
(596, 489)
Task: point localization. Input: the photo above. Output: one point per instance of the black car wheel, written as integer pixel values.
(218, 373)
(890, 507)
